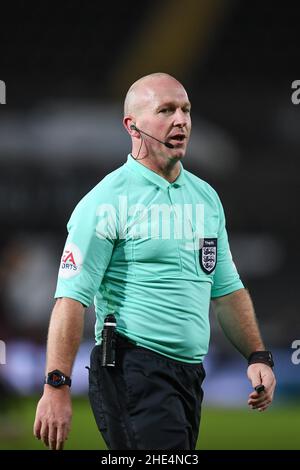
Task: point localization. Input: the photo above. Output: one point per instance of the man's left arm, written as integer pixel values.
(236, 316)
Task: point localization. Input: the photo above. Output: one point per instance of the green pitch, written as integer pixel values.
(277, 428)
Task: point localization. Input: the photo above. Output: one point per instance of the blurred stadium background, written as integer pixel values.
(67, 67)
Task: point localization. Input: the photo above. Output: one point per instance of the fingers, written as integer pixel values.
(37, 428)
(52, 436)
(61, 437)
(44, 433)
(51, 433)
(259, 401)
(262, 400)
(261, 377)
(53, 418)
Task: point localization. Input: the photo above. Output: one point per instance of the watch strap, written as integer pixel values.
(263, 357)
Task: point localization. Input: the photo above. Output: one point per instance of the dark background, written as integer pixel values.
(67, 67)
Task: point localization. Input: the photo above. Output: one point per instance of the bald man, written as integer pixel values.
(148, 245)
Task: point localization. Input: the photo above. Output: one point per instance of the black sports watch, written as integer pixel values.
(264, 357)
(56, 378)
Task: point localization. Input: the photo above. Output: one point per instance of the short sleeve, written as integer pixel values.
(226, 277)
(86, 254)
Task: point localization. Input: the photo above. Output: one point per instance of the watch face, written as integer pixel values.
(55, 378)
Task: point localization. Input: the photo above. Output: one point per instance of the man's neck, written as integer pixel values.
(168, 170)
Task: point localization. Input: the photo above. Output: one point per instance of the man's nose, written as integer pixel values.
(181, 118)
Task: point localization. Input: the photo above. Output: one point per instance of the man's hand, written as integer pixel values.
(53, 417)
(261, 374)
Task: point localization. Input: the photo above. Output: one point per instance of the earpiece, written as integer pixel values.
(167, 144)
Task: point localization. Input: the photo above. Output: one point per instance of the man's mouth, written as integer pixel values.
(178, 138)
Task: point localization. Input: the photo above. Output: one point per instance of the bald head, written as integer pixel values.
(143, 90)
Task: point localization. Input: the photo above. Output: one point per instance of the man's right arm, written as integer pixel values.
(54, 411)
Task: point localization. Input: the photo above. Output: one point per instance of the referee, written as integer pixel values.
(148, 245)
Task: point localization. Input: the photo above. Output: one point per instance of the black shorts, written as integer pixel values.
(147, 401)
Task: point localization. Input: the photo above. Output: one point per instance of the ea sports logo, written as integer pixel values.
(71, 261)
(68, 257)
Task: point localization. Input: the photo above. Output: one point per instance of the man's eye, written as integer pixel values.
(167, 110)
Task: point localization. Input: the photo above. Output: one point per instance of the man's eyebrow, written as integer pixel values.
(173, 104)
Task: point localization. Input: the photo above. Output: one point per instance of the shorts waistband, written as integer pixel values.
(123, 343)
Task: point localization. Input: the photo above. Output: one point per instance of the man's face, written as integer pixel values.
(165, 114)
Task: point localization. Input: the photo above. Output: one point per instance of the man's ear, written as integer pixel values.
(130, 126)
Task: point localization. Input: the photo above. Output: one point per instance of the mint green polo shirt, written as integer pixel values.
(153, 253)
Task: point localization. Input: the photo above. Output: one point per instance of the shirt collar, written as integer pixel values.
(150, 175)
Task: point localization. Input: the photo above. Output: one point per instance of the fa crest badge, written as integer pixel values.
(208, 255)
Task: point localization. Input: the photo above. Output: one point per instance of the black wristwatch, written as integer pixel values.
(264, 357)
(56, 378)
